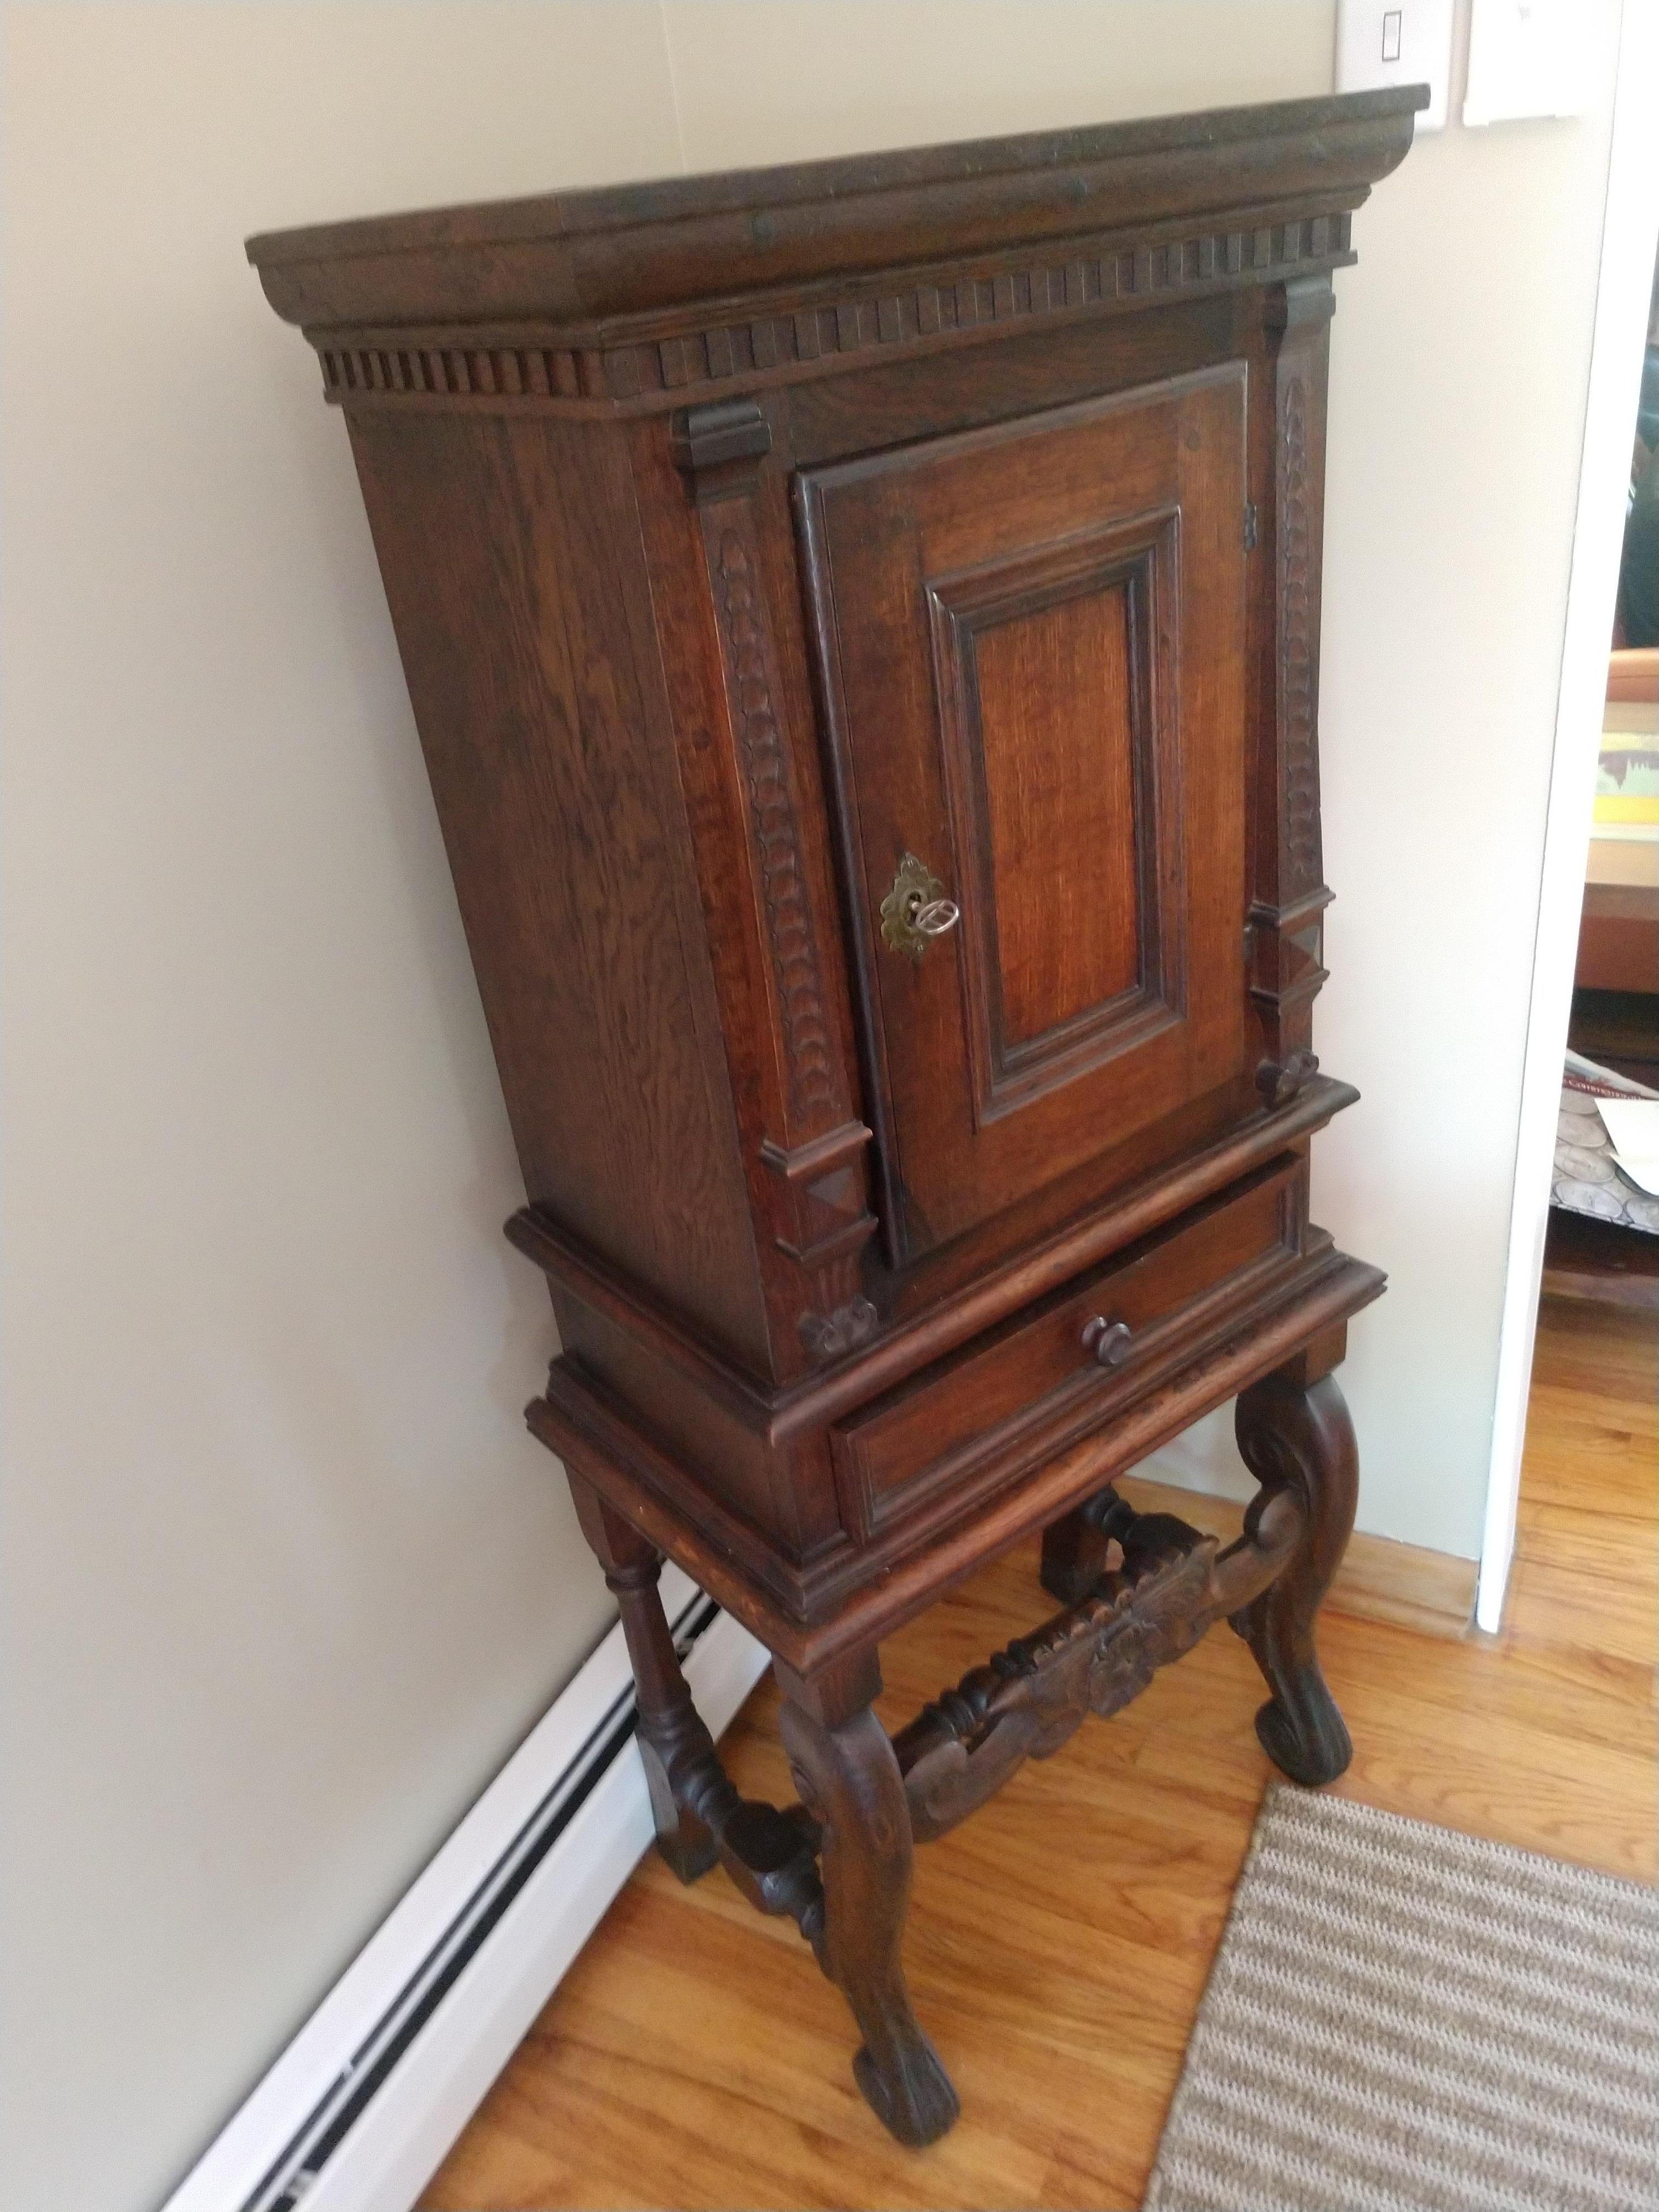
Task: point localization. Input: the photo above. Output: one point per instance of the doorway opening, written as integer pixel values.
(1610, 1019)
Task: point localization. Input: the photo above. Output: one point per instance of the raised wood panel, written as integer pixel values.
(1055, 813)
(883, 407)
(1058, 744)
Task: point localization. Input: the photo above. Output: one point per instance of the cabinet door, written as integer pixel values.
(1032, 652)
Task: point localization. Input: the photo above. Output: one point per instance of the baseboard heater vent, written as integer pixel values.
(296, 2173)
(358, 2112)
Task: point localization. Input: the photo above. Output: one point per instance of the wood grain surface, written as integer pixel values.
(1058, 1943)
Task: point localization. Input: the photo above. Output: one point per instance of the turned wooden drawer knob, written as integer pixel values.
(1110, 1342)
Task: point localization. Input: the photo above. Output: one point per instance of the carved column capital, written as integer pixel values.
(1300, 302)
(718, 448)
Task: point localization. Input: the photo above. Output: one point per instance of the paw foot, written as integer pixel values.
(1314, 1748)
(912, 2098)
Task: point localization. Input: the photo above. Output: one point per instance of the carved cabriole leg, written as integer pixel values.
(845, 1769)
(1295, 1435)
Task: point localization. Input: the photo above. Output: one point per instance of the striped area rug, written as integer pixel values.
(1404, 2020)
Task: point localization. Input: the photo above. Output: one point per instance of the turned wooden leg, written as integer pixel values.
(1073, 1554)
(845, 1769)
(674, 1745)
(1295, 1434)
(1075, 1548)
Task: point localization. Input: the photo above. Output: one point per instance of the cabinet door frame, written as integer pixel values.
(1001, 1088)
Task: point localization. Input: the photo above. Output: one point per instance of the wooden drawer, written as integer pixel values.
(1033, 1387)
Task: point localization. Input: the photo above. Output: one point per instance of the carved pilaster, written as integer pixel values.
(1289, 894)
(814, 1145)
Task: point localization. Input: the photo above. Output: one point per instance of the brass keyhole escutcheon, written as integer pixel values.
(916, 909)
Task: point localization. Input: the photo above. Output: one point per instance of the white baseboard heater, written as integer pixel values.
(358, 2112)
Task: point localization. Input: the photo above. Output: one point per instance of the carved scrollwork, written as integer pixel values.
(1093, 1658)
(1279, 1080)
(776, 833)
(1298, 671)
(827, 1336)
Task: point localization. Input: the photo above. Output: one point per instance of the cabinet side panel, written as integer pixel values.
(510, 551)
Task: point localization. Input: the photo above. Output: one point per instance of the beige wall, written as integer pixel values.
(1459, 365)
(290, 1578)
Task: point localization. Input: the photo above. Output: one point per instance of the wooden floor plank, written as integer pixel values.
(1059, 1942)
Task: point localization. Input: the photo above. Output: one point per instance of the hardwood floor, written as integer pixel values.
(1059, 1942)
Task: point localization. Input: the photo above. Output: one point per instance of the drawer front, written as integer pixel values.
(1037, 1385)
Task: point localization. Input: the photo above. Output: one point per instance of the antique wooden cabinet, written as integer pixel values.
(862, 620)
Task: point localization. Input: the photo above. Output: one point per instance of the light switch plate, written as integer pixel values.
(1381, 42)
(1523, 60)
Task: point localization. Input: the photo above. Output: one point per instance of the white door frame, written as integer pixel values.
(1630, 233)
